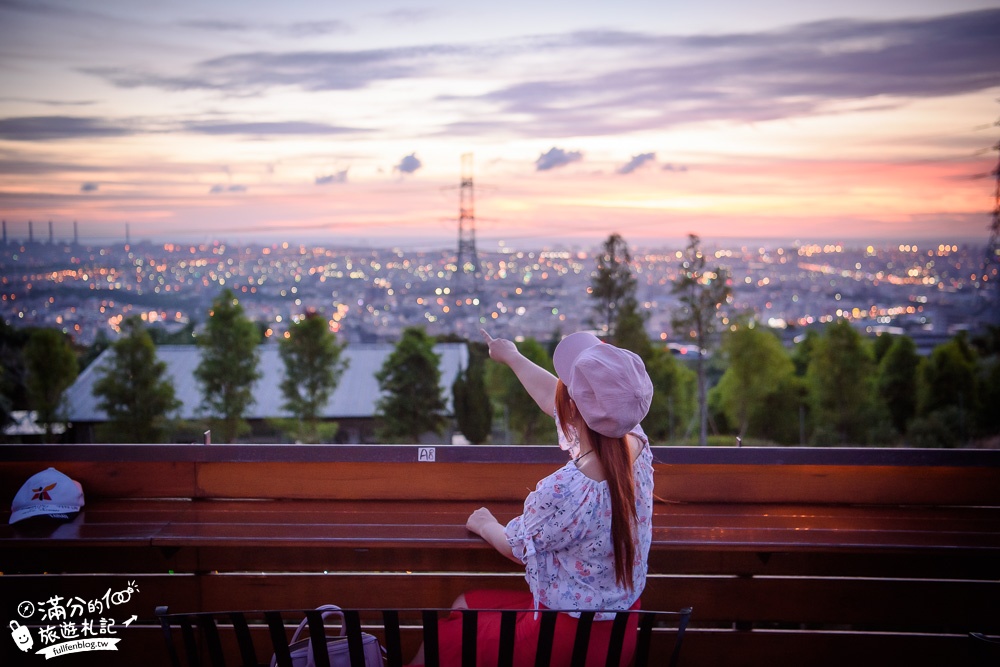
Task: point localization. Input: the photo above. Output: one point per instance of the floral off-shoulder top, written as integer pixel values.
(564, 538)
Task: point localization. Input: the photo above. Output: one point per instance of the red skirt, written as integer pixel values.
(526, 633)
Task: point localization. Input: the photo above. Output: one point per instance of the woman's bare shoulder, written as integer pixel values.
(635, 445)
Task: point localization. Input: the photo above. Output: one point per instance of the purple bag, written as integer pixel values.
(336, 647)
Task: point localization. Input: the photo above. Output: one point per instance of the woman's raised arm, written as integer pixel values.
(537, 381)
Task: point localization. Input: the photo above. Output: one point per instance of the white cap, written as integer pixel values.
(47, 493)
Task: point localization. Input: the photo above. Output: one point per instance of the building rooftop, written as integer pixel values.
(356, 394)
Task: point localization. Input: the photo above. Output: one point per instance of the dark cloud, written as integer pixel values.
(266, 128)
(338, 177)
(219, 189)
(25, 163)
(636, 162)
(556, 157)
(315, 29)
(44, 9)
(410, 16)
(308, 70)
(89, 187)
(43, 128)
(408, 164)
(50, 103)
(311, 70)
(126, 78)
(302, 29)
(755, 76)
(217, 25)
(244, 73)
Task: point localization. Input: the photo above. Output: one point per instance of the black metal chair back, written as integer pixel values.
(202, 636)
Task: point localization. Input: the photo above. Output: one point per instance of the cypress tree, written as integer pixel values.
(410, 380)
(51, 367)
(228, 367)
(313, 367)
(473, 410)
(133, 387)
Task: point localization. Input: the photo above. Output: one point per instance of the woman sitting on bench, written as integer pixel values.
(586, 529)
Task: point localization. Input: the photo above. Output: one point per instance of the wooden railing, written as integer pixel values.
(788, 556)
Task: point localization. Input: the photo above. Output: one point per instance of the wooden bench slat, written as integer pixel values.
(872, 604)
(744, 515)
(336, 535)
(921, 479)
(829, 484)
(144, 559)
(191, 526)
(79, 534)
(854, 520)
(404, 536)
(790, 539)
(706, 648)
(825, 516)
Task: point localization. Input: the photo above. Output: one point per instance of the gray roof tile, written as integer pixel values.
(355, 396)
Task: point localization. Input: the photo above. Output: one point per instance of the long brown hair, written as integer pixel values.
(616, 459)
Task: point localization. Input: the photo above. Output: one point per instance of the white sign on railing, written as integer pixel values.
(425, 454)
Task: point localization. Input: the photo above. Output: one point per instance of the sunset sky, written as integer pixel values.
(260, 120)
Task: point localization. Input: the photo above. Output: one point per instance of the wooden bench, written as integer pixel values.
(813, 556)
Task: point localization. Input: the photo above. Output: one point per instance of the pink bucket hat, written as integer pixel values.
(609, 385)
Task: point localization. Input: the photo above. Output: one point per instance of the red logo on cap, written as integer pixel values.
(42, 492)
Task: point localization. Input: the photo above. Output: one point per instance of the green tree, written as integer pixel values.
(946, 427)
(613, 283)
(783, 416)
(897, 381)
(183, 336)
(881, 346)
(101, 343)
(802, 353)
(947, 395)
(473, 409)
(6, 408)
(15, 376)
(674, 384)
(630, 330)
(701, 292)
(525, 423)
(313, 367)
(674, 396)
(52, 367)
(840, 378)
(228, 367)
(948, 378)
(133, 388)
(757, 367)
(987, 346)
(988, 377)
(410, 380)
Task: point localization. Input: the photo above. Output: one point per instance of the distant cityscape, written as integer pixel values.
(929, 291)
